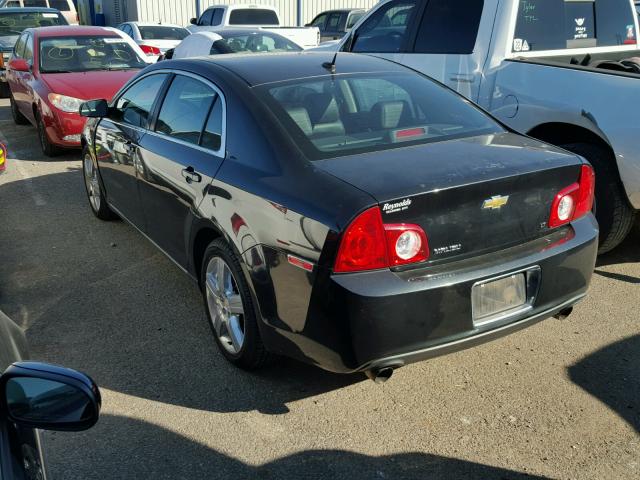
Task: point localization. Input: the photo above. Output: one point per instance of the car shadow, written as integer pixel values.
(141, 450)
(611, 375)
(97, 296)
(627, 252)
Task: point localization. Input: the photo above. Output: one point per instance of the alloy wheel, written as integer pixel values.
(92, 183)
(225, 305)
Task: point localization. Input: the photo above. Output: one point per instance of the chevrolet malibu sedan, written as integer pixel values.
(53, 70)
(353, 214)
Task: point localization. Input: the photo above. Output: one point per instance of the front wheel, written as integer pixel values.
(18, 118)
(613, 212)
(48, 148)
(92, 184)
(230, 309)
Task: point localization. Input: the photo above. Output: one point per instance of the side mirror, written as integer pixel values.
(193, 21)
(49, 397)
(94, 108)
(19, 65)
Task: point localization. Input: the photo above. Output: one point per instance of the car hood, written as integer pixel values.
(88, 85)
(7, 42)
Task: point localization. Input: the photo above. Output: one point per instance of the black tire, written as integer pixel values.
(5, 92)
(613, 211)
(94, 187)
(48, 148)
(18, 118)
(252, 355)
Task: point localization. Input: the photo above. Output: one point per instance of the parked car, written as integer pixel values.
(355, 215)
(66, 7)
(334, 24)
(243, 40)
(563, 75)
(36, 396)
(3, 158)
(53, 70)
(13, 21)
(219, 17)
(154, 39)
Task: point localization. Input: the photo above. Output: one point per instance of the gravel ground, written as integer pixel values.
(559, 400)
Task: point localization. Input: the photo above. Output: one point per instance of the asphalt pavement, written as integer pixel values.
(558, 400)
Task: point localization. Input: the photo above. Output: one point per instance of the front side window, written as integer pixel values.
(217, 17)
(185, 109)
(449, 27)
(385, 31)
(562, 24)
(133, 107)
(319, 21)
(28, 49)
(253, 16)
(12, 23)
(158, 32)
(205, 19)
(332, 117)
(18, 49)
(84, 53)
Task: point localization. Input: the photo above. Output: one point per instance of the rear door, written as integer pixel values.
(13, 76)
(117, 141)
(180, 159)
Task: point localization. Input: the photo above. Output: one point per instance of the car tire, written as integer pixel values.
(18, 118)
(5, 92)
(614, 213)
(94, 188)
(48, 148)
(226, 293)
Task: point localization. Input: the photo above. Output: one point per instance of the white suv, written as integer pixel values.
(66, 7)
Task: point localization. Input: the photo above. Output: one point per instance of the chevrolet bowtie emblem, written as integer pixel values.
(495, 203)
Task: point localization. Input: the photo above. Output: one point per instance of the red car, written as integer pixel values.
(54, 69)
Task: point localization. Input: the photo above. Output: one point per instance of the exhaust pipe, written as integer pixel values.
(379, 375)
(563, 314)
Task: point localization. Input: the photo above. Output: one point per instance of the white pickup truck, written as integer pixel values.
(562, 71)
(218, 17)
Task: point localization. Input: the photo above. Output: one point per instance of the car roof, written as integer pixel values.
(28, 10)
(73, 30)
(155, 24)
(258, 69)
(342, 10)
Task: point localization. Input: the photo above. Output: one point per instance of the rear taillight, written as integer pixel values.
(370, 244)
(574, 201)
(149, 50)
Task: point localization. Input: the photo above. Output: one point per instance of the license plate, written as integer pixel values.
(498, 298)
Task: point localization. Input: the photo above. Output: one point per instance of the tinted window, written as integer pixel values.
(13, 3)
(212, 135)
(15, 23)
(157, 32)
(35, 3)
(449, 27)
(134, 105)
(384, 111)
(253, 16)
(185, 109)
(319, 21)
(84, 53)
(354, 18)
(62, 5)
(28, 49)
(386, 29)
(205, 19)
(217, 16)
(253, 43)
(334, 21)
(558, 24)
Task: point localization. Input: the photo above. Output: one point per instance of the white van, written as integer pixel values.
(66, 7)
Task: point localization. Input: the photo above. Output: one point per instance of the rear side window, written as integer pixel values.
(353, 18)
(334, 21)
(134, 105)
(212, 135)
(185, 109)
(62, 5)
(319, 21)
(449, 27)
(385, 31)
(253, 16)
(562, 24)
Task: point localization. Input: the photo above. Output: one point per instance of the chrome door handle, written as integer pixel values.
(191, 175)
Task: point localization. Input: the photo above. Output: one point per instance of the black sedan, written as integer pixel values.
(355, 215)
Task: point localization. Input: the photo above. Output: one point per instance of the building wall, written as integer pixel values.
(181, 11)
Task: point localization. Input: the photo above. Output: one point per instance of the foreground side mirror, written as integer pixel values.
(193, 21)
(49, 397)
(94, 108)
(19, 65)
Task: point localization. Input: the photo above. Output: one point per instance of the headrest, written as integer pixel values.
(389, 114)
(301, 117)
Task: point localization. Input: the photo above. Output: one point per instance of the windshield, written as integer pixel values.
(157, 32)
(253, 43)
(80, 54)
(15, 22)
(345, 114)
(253, 16)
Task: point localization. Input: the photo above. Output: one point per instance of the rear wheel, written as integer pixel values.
(48, 148)
(18, 118)
(615, 215)
(230, 308)
(93, 186)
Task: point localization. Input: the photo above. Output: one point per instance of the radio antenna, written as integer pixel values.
(331, 66)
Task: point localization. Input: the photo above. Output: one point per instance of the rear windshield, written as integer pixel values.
(562, 24)
(253, 43)
(345, 114)
(15, 23)
(81, 54)
(253, 16)
(156, 32)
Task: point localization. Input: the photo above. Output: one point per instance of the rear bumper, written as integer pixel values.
(384, 318)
